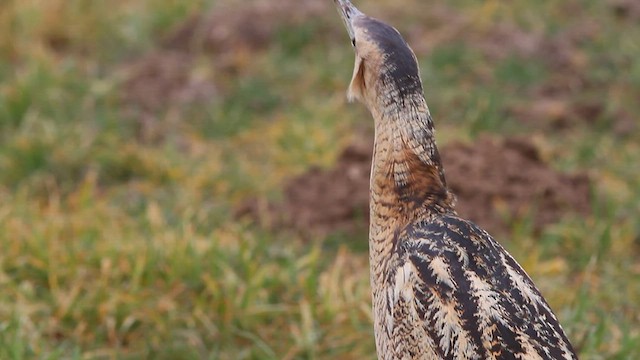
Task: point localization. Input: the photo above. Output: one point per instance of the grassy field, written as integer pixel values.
(116, 211)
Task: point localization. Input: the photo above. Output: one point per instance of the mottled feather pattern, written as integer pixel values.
(469, 295)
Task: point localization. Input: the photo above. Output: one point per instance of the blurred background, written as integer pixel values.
(186, 180)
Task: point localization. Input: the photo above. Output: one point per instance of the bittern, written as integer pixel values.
(442, 288)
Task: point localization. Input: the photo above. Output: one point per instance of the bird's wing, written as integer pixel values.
(468, 297)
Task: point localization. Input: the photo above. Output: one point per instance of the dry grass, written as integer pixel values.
(121, 246)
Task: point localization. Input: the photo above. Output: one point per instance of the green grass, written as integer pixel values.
(119, 248)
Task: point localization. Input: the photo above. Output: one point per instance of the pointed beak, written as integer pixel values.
(348, 13)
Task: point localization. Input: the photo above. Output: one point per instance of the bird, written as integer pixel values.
(442, 287)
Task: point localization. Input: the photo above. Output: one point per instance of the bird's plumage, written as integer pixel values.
(451, 286)
(442, 287)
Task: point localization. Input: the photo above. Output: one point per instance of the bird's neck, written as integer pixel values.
(407, 177)
(407, 184)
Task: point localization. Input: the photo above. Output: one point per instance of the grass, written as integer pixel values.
(117, 248)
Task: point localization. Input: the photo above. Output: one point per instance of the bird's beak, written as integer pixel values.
(348, 13)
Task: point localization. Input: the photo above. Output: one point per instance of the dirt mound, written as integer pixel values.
(246, 26)
(626, 9)
(165, 77)
(322, 201)
(496, 183)
(191, 63)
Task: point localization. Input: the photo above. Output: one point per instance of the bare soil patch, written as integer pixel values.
(165, 77)
(496, 183)
(248, 26)
(190, 63)
(226, 39)
(321, 201)
(626, 9)
(499, 182)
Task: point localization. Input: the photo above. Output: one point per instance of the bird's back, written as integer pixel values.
(452, 292)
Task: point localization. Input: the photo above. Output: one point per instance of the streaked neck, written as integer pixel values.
(406, 165)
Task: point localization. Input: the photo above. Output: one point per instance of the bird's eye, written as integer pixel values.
(353, 42)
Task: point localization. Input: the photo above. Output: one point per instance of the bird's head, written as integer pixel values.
(385, 68)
